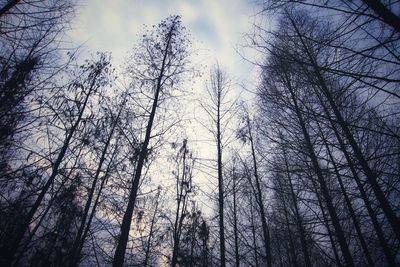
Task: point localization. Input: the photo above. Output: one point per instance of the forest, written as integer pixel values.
(98, 166)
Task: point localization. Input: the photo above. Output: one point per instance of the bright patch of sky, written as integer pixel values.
(216, 26)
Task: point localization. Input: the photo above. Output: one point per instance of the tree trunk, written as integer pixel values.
(267, 241)
(384, 13)
(147, 256)
(119, 254)
(235, 230)
(326, 222)
(364, 196)
(299, 220)
(43, 216)
(253, 231)
(8, 6)
(220, 184)
(181, 198)
(289, 231)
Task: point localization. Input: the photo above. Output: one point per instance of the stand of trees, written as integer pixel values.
(96, 172)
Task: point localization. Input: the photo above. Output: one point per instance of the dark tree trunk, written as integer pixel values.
(235, 230)
(180, 213)
(267, 241)
(220, 184)
(289, 231)
(299, 220)
(384, 13)
(94, 208)
(253, 232)
(119, 254)
(326, 222)
(8, 6)
(153, 220)
(364, 196)
(43, 216)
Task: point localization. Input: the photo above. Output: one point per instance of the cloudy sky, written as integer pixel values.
(216, 26)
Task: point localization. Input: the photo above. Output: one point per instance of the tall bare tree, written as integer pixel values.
(219, 111)
(158, 67)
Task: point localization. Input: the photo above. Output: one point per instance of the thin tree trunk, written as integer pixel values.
(267, 241)
(364, 196)
(289, 231)
(192, 239)
(177, 234)
(96, 202)
(43, 216)
(119, 254)
(181, 197)
(220, 184)
(326, 222)
(147, 255)
(180, 214)
(299, 220)
(235, 230)
(253, 231)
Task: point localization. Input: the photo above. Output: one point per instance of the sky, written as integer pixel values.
(217, 29)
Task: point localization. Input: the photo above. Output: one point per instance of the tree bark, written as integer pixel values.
(326, 222)
(147, 255)
(364, 196)
(289, 231)
(253, 232)
(220, 187)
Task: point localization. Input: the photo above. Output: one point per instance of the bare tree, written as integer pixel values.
(219, 110)
(246, 133)
(159, 66)
(184, 174)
